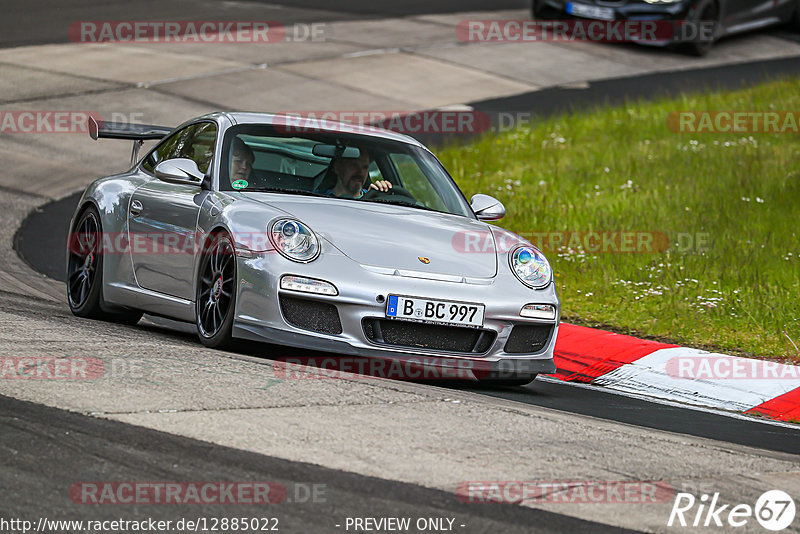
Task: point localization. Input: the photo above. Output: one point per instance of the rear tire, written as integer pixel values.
(85, 273)
(706, 12)
(215, 298)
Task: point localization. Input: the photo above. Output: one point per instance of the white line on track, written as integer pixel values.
(674, 404)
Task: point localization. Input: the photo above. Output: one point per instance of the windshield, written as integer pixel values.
(344, 166)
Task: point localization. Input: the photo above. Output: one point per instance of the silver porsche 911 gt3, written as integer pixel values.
(324, 236)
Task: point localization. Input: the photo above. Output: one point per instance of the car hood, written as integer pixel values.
(396, 237)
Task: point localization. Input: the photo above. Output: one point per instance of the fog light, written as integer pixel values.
(308, 285)
(539, 311)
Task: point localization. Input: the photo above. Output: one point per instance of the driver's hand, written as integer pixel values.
(381, 185)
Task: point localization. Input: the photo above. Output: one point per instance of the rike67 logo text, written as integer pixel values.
(774, 510)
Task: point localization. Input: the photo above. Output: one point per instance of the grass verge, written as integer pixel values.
(722, 212)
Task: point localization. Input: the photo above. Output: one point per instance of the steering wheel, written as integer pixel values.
(395, 191)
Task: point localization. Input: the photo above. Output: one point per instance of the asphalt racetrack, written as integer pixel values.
(374, 448)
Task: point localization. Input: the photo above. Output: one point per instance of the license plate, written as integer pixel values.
(435, 311)
(590, 12)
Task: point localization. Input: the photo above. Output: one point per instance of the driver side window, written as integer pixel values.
(195, 142)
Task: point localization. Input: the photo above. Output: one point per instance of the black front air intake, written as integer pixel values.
(311, 315)
(428, 336)
(528, 339)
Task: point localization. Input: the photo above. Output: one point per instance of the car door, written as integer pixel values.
(162, 216)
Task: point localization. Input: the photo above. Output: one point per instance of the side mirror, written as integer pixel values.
(179, 171)
(487, 208)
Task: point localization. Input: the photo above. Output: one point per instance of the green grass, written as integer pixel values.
(622, 168)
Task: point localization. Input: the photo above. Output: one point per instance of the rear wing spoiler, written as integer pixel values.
(138, 133)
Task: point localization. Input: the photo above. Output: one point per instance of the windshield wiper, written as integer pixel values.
(403, 203)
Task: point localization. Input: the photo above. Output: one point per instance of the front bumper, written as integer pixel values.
(422, 365)
(624, 10)
(670, 17)
(362, 289)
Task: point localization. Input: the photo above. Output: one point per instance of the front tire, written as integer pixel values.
(794, 24)
(85, 272)
(215, 298)
(508, 382)
(541, 12)
(534, 9)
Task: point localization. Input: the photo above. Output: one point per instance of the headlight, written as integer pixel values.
(294, 240)
(531, 267)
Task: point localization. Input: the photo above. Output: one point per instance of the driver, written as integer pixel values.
(352, 174)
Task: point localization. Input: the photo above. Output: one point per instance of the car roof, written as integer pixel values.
(312, 123)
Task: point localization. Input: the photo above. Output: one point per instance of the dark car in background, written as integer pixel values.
(725, 17)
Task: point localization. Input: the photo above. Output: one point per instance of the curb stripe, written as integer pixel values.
(583, 354)
(654, 376)
(642, 367)
(783, 408)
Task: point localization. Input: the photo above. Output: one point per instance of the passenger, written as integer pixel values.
(241, 160)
